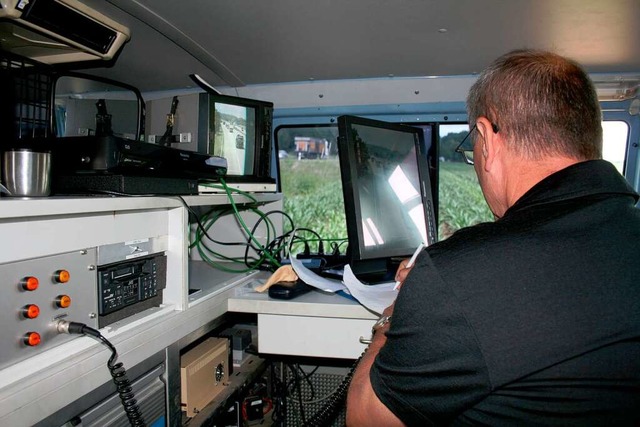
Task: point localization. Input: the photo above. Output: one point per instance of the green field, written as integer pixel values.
(461, 201)
(313, 197)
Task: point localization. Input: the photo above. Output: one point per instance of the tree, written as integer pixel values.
(448, 144)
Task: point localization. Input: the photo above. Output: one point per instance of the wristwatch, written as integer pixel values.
(383, 320)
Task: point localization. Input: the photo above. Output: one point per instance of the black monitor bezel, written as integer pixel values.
(353, 216)
(263, 150)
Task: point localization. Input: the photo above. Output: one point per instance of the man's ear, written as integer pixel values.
(490, 142)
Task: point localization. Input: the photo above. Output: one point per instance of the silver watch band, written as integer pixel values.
(383, 320)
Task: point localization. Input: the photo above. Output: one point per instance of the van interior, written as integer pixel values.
(137, 242)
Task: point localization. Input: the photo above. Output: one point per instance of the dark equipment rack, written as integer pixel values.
(26, 102)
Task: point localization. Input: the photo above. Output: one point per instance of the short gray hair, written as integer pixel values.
(543, 104)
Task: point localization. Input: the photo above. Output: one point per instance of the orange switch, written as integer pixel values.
(61, 276)
(31, 339)
(63, 301)
(31, 311)
(29, 283)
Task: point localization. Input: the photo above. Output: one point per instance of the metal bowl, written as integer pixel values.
(27, 173)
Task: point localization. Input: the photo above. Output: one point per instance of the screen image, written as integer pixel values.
(239, 130)
(387, 192)
(233, 136)
(392, 215)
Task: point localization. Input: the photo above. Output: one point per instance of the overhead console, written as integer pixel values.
(58, 31)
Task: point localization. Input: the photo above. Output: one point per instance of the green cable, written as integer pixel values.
(212, 216)
(246, 229)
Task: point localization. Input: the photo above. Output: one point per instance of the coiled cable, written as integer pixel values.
(325, 415)
(117, 370)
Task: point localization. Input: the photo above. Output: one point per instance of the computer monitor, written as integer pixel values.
(239, 129)
(387, 194)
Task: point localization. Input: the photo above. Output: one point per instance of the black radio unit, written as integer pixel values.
(110, 154)
(128, 287)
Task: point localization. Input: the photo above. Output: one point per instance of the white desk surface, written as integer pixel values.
(312, 304)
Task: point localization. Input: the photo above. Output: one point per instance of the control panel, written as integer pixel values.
(127, 283)
(131, 278)
(38, 292)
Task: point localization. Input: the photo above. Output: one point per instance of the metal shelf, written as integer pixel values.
(21, 208)
(239, 381)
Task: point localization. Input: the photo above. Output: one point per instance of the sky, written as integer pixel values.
(447, 129)
(614, 141)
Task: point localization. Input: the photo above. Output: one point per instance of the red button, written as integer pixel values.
(30, 283)
(31, 311)
(31, 339)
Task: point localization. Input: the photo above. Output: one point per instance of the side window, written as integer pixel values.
(460, 200)
(312, 187)
(615, 134)
(311, 182)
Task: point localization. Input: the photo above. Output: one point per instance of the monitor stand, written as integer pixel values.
(375, 271)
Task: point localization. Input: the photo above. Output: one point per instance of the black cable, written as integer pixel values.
(264, 252)
(201, 227)
(298, 386)
(117, 370)
(279, 415)
(307, 378)
(276, 241)
(269, 245)
(329, 410)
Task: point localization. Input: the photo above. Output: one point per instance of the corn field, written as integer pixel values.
(313, 197)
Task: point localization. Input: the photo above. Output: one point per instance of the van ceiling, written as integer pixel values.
(248, 42)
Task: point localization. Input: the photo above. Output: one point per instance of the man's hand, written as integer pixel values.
(403, 271)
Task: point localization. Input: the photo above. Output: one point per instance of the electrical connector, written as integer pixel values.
(117, 370)
(253, 409)
(322, 260)
(65, 327)
(336, 251)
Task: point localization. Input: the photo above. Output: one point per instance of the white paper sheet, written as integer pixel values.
(315, 280)
(374, 297)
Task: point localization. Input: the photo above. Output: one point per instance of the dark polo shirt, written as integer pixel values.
(533, 319)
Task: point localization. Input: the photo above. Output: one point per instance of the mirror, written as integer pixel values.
(93, 106)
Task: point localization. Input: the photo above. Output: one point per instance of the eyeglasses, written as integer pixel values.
(467, 152)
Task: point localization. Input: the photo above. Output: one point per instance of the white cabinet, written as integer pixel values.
(315, 324)
(39, 384)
